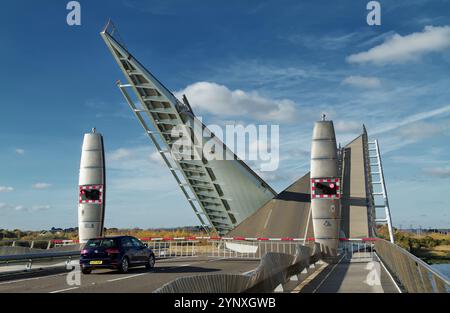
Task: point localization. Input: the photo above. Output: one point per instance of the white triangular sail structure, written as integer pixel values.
(225, 191)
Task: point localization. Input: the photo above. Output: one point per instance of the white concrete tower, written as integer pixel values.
(325, 187)
(91, 200)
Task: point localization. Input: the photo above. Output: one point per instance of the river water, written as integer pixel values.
(443, 268)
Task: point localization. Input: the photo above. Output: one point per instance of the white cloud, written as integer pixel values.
(120, 154)
(41, 186)
(442, 172)
(362, 82)
(348, 126)
(411, 119)
(421, 130)
(22, 208)
(271, 176)
(20, 151)
(219, 100)
(40, 207)
(400, 49)
(6, 189)
(137, 169)
(4, 206)
(131, 158)
(156, 157)
(411, 130)
(334, 41)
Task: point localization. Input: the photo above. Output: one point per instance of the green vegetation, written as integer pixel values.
(54, 233)
(433, 248)
(72, 233)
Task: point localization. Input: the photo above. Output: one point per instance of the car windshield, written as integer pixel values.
(105, 243)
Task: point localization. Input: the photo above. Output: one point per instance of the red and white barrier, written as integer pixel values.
(247, 239)
(61, 241)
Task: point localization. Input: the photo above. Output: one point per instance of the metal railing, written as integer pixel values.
(26, 262)
(246, 249)
(29, 261)
(111, 29)
(414, 275)
(173, 248)
(38, 244)
(274, 271)
(162, 248)
(357, 250)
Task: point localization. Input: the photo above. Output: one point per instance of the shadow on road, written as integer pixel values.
(158, 269)
(32, 274)
(329, 280)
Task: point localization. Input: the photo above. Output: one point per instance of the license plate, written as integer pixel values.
(95, 262)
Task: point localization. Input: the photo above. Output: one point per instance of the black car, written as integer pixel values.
(121, 252)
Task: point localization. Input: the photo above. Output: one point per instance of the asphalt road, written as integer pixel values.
(136, 280)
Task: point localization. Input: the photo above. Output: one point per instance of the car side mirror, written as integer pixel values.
(146, 244)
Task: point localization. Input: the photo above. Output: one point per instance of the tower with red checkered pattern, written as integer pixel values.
(91, 190)
(325, 187)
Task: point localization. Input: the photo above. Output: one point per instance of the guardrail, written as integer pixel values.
(38, 244)
(162, 248)
(414, 275)
(30, 259)
(274, 269)
(172, 248)
(225, 247)
(250, 249)
(358, 250)
(222, 247)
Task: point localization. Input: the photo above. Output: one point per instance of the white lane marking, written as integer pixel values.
(172, 260)
(27, 279)
(268, 218)
(392, 278)
(126, 277)
(328, 275)
(141, 274)
(62, 290)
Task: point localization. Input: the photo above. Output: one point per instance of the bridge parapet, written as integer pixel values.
(274, 269)
(414, 275)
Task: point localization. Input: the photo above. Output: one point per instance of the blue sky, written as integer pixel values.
(304, 57)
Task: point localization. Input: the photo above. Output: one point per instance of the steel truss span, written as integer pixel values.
(222, 193)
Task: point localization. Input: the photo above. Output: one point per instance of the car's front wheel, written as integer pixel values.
(124, 265)
(151, 262)
(86, 271)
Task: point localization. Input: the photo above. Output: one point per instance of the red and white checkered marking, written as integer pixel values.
(91, 187)
(248, 239)
(325, 180)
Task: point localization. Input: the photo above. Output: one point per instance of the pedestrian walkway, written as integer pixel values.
(352, 277)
